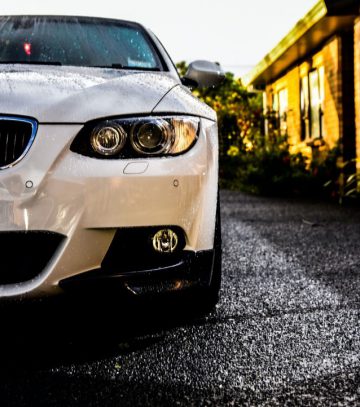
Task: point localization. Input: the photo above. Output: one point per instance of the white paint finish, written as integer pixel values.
(86, 199)
(180, 100)
(209, 197)
(78, 94)
(44, 201)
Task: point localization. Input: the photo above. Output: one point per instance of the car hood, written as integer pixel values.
(77, 95)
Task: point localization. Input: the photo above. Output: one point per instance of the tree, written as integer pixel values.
(239, 113)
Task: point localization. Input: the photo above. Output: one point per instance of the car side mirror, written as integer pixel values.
(203, 74)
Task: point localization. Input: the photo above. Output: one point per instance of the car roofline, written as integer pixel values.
(73, 17)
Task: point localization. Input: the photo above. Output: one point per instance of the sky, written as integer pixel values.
(236, 33)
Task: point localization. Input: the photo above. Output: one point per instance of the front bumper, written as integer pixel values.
(86, 200)
(188, 271)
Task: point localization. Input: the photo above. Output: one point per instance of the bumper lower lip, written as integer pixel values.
(190, 270)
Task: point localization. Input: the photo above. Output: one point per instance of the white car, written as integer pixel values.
(108, 163)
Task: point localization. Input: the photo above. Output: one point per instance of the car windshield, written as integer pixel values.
(76, 41)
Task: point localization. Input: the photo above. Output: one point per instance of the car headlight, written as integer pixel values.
(108, 140)
(139, 137)
(155, 136)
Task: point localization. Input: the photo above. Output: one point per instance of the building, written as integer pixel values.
(311, 79)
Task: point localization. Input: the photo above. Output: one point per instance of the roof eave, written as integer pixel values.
(318, 12)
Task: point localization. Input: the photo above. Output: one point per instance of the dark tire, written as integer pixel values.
(205, 298)
(211, 295)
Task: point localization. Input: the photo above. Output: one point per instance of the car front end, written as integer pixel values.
(108, 179)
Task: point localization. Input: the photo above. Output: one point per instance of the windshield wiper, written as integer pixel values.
(140, 68)
(121, 66)
(32, 62)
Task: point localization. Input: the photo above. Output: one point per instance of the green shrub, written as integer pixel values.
(344, 183)
(267, 169)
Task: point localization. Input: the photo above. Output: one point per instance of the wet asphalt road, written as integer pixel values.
(285, 332)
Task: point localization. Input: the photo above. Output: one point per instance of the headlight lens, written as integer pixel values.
(138, 137)
(108, 140)
(154, 136)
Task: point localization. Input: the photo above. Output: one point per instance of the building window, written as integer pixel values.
(283, 108)
(304, 108)
(280, 107)
(311, 104)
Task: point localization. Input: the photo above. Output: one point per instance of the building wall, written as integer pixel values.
(291, 82)
(357, 86)
(328, 57)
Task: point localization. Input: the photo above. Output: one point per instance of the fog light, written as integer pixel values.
(165, 241)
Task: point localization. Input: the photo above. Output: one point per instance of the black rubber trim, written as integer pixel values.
(193, 267)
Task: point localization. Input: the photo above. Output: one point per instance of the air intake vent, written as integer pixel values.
(33, 251)
(16, 137)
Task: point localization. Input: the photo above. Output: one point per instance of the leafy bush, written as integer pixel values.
(268, 169)
(344, 183)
